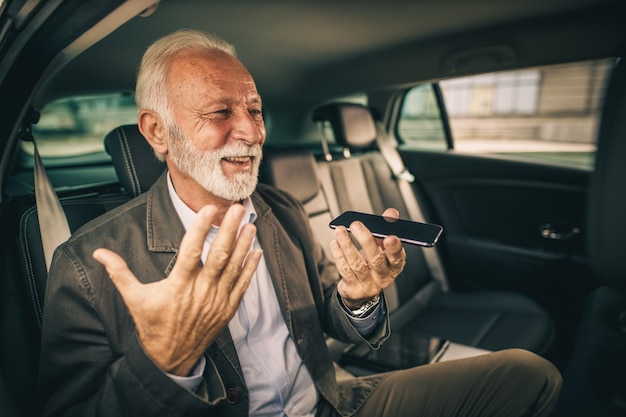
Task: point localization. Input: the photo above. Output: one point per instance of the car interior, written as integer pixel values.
(358, 104)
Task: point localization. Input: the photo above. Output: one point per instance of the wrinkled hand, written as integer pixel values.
(179, 317)
(365, 273)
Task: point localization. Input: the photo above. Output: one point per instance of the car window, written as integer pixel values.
(548, 114)
(73, 128)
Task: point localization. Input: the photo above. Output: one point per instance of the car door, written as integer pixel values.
(502, 161)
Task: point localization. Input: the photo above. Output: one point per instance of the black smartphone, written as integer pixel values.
(416, 233)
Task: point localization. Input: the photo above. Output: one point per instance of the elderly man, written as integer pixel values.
(168, 305)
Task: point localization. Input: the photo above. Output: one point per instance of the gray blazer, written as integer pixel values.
(92, 362)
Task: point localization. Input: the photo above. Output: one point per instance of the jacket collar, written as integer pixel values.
(163, 226)
(164, 230)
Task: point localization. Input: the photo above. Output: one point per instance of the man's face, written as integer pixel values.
(205, 167)
(219, 128)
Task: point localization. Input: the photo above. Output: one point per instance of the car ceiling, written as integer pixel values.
(315, 49)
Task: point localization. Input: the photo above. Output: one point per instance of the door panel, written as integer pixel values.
(493, 211)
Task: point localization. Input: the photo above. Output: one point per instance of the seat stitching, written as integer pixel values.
(30, 275)
(128, 161)
(23, 238)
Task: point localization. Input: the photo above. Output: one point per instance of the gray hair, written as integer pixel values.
(150, 91)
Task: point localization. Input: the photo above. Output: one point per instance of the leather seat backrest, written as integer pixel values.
(78, 212)
(362, 181)
(606, 219)
(135, 163)
(595, 376)
(294, 170)
(137, 169)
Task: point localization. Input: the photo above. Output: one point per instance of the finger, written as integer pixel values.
(231, 282)
(340, 262)
(227, 244)
(192, 243)
(391, 212)
(231, 271)
(393, 247)
(371, 249)
(124, 280)
(395, 253)
(243, 281)
(383, 256)
(349, 261)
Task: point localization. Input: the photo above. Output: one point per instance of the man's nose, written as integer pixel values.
(249, 128)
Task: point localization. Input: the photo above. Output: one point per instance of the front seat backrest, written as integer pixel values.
(596, 375)
(135, 163)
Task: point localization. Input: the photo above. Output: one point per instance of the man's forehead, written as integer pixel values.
(218, 71)
(212, 63)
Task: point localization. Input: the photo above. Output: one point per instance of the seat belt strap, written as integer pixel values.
(53, 224)
(405, 179)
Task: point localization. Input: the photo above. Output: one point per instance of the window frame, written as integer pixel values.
(574, 158)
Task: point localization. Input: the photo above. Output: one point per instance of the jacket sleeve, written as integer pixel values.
(339, 325)
(92, 362)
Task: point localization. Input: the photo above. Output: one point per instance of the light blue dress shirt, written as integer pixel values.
(278, 382)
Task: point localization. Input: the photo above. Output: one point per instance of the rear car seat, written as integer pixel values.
(137, 169)
(32, 287)
(361, 180)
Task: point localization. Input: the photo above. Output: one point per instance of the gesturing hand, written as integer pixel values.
(365, 273)
(179, 317)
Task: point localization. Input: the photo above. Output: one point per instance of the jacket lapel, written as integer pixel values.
(164, 230)
(164, 234)
(274, 253)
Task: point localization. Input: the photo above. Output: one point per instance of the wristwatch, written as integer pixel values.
(366, 308)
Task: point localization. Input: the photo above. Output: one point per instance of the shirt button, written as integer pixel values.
(300, 340)
(233, 396)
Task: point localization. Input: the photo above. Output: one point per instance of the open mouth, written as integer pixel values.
(238, 159)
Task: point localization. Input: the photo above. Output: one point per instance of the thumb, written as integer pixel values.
(122, 277)
(391, 212)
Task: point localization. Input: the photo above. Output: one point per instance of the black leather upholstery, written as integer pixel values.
(78, 212)
(135, 163)
(607, 193)
(595, 379)
(137, 169)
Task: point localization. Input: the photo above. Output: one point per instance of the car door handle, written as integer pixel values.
(549, 231)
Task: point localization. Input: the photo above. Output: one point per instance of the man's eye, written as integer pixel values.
(220, 114)
(256, 113)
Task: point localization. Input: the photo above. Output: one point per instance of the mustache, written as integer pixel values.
(238, 149)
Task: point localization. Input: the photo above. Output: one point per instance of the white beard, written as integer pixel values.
(204, 166)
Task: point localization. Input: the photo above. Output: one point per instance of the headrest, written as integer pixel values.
(135, 163)
(293, 170)
(353, 124)
(607, 191)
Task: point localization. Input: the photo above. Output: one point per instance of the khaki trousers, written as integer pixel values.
(511, 383)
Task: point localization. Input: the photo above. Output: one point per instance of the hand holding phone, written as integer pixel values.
(415, 233)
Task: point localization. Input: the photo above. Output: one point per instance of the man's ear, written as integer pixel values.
(152, 128)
